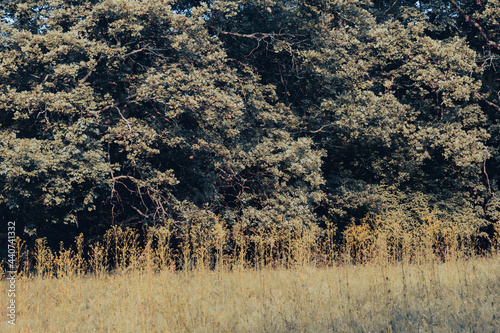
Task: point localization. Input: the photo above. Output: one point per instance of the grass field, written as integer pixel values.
(401, 284)
(458, 296)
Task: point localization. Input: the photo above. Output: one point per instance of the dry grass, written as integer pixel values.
(460, 296)
(403, 282)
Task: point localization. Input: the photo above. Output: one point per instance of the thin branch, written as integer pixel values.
(487, 178)
(390, 7)
(320, 129)
(127, 177)
(137, 51)
(476, 25)
(139, 211)
(124, 119)
(493, 105)
(256, 35)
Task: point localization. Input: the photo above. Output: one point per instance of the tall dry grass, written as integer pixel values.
(390, 275)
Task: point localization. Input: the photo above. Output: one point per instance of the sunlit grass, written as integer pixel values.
(386, 279)
(456, 296)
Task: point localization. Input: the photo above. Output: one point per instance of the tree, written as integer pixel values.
(395, 100)
(131, 112)
(265, 113)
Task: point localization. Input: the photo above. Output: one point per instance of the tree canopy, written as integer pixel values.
(263, 113)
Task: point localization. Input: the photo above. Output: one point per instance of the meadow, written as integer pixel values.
(374, 284)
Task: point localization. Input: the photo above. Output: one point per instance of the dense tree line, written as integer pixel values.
(263, 113)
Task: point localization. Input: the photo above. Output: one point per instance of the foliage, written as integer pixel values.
(128, 112)
(254, 115)
(397, 102)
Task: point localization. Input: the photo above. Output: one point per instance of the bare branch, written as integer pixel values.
(476, 25)
(493, 105)
(137, 51)
(391, 6)
(124, 119)
(320, 129)
(139, 211)
(256, 35)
